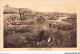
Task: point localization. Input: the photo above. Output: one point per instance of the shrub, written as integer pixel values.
(61, 26)
(24, 30)
(9, 31)
(14, 40)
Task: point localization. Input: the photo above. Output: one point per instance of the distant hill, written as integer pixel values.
(10, 10)
(30, 14)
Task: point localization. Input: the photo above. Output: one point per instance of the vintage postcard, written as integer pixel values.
(39, 26)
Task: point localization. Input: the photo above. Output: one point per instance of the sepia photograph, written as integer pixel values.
(40, 25)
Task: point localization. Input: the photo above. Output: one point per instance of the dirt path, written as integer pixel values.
(60, 19)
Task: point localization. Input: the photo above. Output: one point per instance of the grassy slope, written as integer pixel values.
(27, 36)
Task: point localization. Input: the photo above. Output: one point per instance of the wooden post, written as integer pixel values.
(19, 13)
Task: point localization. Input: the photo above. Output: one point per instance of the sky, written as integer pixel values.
(45, 6)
